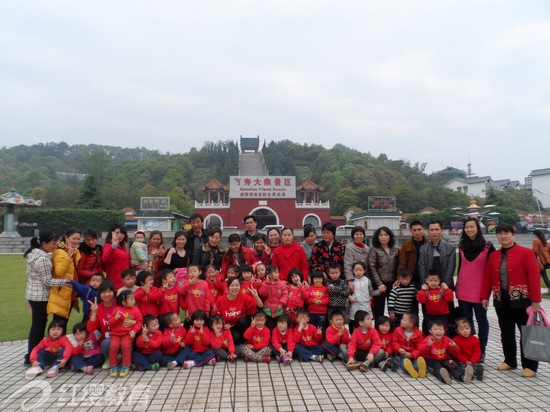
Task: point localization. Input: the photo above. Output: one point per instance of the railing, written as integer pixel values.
(211, 205)
(319, 205)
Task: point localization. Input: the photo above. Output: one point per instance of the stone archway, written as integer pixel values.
(265, 216)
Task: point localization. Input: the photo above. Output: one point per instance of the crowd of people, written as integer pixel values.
(269, 297)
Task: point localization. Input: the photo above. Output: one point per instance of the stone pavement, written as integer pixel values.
(270, 387)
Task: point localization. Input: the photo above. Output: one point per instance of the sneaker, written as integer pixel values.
(154, 367)
(364, 367)
(73, 369)
(106, 365)
(445, 376)
(528, 373)
(53, 371)
(88, 370)
(394, 365)
(279, 359)
(188, 364)
(266, 359)
(286, 360)
(330, 357)
(319, 358)
(385, 365)
(124, 371)
(34, 371)
(172, 364)
(468, 374)
(113, 372)
(134, 367)
(504, 367)
(410, 368)
(421, 362)
(353, 366)
(480, 372)
(212, 362)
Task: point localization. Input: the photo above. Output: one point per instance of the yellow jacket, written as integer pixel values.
(59, 302)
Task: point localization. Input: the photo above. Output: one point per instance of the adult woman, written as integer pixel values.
(383, 259)
(289, 255)
(356, 251)
(39, 273)
(90, 257)
(473, 255)
(327, 251)
(116, 257)
(237, 254)
(211, 253)
(236, 307)
(274, 237)
(177, 256)
(155, 255)
(65, 259)
(540, 247)
(310, 237)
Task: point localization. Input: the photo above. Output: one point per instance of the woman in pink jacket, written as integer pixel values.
(274, 293)
(289, 255)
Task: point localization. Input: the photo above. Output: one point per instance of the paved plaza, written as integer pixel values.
(271, 387)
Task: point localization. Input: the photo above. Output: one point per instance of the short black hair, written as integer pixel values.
(435, 222)
(317, 274)
(331, 227)
(250, 217)
(123, 296)
(196, 216)
(505, 227)
(128, 272)
(80, 327)
(436, 322)
(432, 272)
(148, 319)
(403, 272)
(335, 313)
(360, 315)
(302, 312)
(142, 277)
(413, 318)
(416, 223)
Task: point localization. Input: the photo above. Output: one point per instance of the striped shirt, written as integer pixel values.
(39, 271)
(401, 299)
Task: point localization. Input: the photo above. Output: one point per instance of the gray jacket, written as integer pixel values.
(382, 265)
(447, 252)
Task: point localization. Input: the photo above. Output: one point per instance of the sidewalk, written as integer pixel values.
(271, 387)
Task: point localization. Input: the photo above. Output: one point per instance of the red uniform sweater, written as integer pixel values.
(233, 310)
(436, 300)
(199, 342)
(148, 303)
(385, 341)
(54, 347)
(257, 338)
(169, 301)
(366, 340)
(196, 297)
(308, 337)
(334, 338)
(400, 341)
(101, 321)
(216, 289)
(223, 341)
(279, 339)
(170, 347)
(153, 345)
(318, 293)
(438, 350)
(470, 349)
(117, 328)
(297, 296)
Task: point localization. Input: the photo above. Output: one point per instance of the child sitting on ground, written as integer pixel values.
(54, 350)
(147, 354)
(337, 336)
(436, 296)
(402, 297)
(384, 358)
(199, 340)
(86, 349)
(174, 351)
(405, 342)
(364, 343)
(470, 348)
(437, 349)
(129, 280)
(222, 340)
(274, 294)
(138, 251)
(297, 293)
(308, 338)
(282, 341)
(363, 292)
(256, 347)
(318, 300)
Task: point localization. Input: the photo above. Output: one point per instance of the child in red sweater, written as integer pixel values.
(470, 348)
(405, 342)
(174, 350)
(148, 297)
(121, 336)
(169, 301)
(195, 294)
(337, 337)
(308, 338)
(435, 295)
(214, 282)
(222, 340)
(437, 349)
(364, 343)
(53, 350)
(86, 349)
(282, 341)
(274, 294)
(297, 293)
(147, 354)
(199, 340)
(384, 358)
(318, 300)
(256, 347)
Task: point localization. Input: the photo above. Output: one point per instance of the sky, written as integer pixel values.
(436, 82)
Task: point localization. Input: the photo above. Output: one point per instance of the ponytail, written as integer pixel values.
(36, 242)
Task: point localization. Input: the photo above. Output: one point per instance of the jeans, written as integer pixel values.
(79, 361)
(337, 350)
(180, 357)
(105, 344)
(201, 358)
(48, 358)
(468, 310)
(401, 359)
(144, 360)
(306, 352)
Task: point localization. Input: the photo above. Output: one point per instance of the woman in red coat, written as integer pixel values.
(289, 255)
(116, 257)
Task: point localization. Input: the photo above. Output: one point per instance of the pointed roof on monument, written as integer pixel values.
(214, 184)
(309, 184)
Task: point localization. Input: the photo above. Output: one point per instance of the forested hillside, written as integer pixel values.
(93, 176)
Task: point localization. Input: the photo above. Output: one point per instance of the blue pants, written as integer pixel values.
(47, 358)
(276, 353)
(319, 320)
(201, 358)
(105, 344)
(179, 357)
(337, 350)
(79, 361)
(143, 361)
(306, 352)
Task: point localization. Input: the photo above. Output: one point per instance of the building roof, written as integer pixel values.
(377, 213)
(539, 172)
(250, 143)
(471, 180)
(214, 184)
(309, 184)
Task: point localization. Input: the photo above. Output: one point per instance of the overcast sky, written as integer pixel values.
(426, 81)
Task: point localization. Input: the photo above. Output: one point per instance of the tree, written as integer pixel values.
(90, 195)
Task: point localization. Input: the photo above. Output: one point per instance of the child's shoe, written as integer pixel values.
(212, 362)
(410, 368)
(421, 362)
(53, 371)
(385, 365)
(364, 367)
(330, 357)
(172, 364)
(279, 359)
(124, 371)
(318, 358)
(286, 360)
(106, 365)
(468, 374)
(154, 367)
(33, 372)
(88, 370)
(353, 366)
(445, 376)
(394, 365)
(479, 372)
(113, 372)
(188, 364)
(266, 359)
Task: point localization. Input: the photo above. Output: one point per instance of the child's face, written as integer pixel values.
(211, 273)
(384, 327)
(432, 282)
(406, 323)
(334, 273)
(193, 273)
(129, 281)
(231, 273)
(95, 281)
(296, 279)
(149, 281)
(366, 323)
(337, 321)
(247, 275)
(175, 322)
(317, 281)
(260, 244)
(358, 271)
(464, 330)
(437, 331)
(217, 326)
(199, 323)
(274, 276)
(139, 237)
(130, 301)
(260, 271)
(405, 280)
(56, 332)
(170, 279)
(153, 326)
(260, 321)
(80, 335)
(302, 318)
(282, 326)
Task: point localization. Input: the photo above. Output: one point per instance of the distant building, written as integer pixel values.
(472, 186)
(538, 183)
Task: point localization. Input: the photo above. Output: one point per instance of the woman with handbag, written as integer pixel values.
(540, 247)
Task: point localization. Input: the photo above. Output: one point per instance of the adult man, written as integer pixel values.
(512, 275)
(195, 236)
(247, 238)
